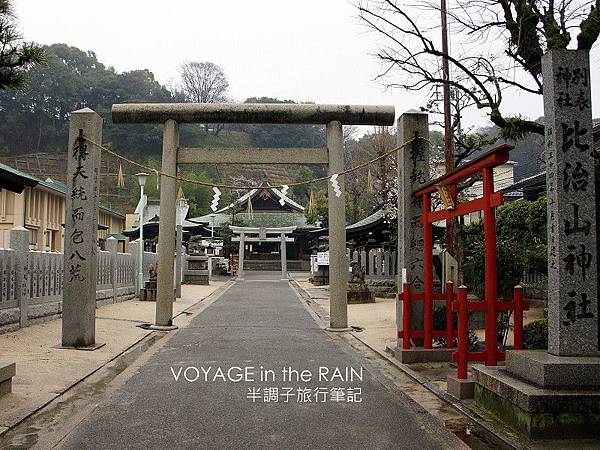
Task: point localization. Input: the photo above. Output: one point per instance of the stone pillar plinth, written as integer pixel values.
(556, 393)
(240, 271)
(283, 252)
(178, 261)
(413, 172)
(112, 245)
(81, 231)
(165, 295)
(19, 242)
(570, 183)
(338, 262)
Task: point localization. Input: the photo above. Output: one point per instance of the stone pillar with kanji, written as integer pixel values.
(413, 172)
(81, 231)
(572, 256)
(556, 393)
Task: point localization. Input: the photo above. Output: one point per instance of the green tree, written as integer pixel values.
(277, 135)
(16, 55)
(320, 210)
(301, 193)
(521, 236)
(34, 118)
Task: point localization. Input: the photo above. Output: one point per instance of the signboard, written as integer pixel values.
(313, 264)
(323, 258)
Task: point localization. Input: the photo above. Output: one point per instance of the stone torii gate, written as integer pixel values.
(84, 162)
(245, 234)
(171, 115)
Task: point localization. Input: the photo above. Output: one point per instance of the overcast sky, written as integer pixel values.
(309, 50)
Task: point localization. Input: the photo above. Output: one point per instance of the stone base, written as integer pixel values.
(461, 389)
(147, 295)
(198, 277)
(360, 296)
(339, 330)
(7, 371)
(538, 413)
(90, 348)
(421, 355)
(162, 327)
(5, 387)
(554, 372)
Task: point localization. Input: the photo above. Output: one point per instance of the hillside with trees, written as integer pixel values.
(34, 122)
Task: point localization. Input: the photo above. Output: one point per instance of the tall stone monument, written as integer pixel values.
(557, 393)
(413, 172)
(570, 183)
(81, 231)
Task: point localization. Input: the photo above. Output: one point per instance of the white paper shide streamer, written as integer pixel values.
(335, 185)
(284, 190)
(215, 201)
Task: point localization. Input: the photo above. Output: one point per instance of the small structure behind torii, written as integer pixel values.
(248, 234)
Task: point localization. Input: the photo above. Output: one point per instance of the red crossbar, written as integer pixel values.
(497, 199)
(493, 158)
(427, 333)
(419, 334)
(463, 306)
(482, 165)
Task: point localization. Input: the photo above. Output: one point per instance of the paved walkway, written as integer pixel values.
(44, 372)
(257, 322)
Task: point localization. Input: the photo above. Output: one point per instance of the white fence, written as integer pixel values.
(31, 282)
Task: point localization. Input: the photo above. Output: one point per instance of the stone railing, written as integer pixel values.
(31, 282)
(376, 262)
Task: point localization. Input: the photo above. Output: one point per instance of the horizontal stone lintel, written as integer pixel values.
(273, 113)
(252, 156)
(255, 239)
(247, 230)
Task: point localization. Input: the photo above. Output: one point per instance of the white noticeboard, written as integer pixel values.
(323, 258)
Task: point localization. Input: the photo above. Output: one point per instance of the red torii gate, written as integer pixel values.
(446, 185)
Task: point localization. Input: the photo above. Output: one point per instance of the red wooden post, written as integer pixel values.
(463, 332)
(491, 283)
(427, 274)
(449, 321)
(406, 316)
(518, 320)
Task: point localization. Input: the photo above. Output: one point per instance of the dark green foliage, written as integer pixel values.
(535, 335)
(274, 135)
(16, 56)
(439, 323)
(301, 193)
(521, 245)
(320, 211)
(589, 28)
(226, 234)
(35, 118)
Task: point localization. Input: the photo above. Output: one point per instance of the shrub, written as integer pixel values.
(535, 335)
(521, 245)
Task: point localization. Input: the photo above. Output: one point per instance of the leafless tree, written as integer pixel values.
(204, 82)
(502, 43)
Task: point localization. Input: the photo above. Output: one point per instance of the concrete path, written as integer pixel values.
(45, 372)
(257, 322)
